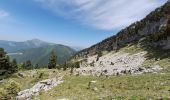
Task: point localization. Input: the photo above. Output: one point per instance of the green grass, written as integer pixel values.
(26, 82)
(128, 87)
(131, 49)
(147, 86)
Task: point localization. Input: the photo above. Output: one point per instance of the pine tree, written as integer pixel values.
(5, 64)
(4, 60)
(21, 66)
(28, 65)
(36, 66)
(52, 60)
(65, 66)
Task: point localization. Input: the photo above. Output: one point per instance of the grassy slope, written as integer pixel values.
(6, 86)
(129, 87)
(144, 86)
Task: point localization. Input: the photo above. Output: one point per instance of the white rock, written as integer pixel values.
(122, 63)
(44, 85)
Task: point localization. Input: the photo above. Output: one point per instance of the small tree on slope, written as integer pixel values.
(52, 60)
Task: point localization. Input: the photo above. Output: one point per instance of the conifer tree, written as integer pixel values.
(5, 63)
(28, 64)
(36, 66)
(52, 60)
(4, 60)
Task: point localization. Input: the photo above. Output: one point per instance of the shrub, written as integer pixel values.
(10, 90)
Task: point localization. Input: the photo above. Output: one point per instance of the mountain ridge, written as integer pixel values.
(13, 46)
(149, 26)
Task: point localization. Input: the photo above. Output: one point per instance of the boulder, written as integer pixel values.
(22, 75)
(92, 85)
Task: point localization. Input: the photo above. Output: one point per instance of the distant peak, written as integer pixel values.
(35, 40)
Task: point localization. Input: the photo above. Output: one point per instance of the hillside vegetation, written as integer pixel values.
(132, 65)
(155, 26)
(145, 86)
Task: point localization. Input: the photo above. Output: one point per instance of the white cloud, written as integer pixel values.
(3, 14)
(102, 14)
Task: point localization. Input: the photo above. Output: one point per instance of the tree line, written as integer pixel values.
(11, 66)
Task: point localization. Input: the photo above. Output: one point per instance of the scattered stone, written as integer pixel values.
(116, 64)
(33, 73)
(22, 75)
(95, 89)
(92, 85)
(63, 99)
(44, 85)
(2, 81)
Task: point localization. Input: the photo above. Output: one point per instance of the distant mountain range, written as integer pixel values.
(37, 51)
(12, 46)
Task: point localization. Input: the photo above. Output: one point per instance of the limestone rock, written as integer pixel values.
(124, 63)
(44, 85)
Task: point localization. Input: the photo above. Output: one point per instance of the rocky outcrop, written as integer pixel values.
(164, 43)
(115, 64)
(44, 85)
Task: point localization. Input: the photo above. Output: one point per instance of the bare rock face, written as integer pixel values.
(44, 85)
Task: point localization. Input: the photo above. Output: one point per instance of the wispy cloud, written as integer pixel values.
(3, 14)
(102, 14)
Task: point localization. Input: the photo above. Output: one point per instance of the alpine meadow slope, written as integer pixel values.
(134, 64)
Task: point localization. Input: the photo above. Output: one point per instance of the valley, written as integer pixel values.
(133, 64)
(36, 51)
(143, 84)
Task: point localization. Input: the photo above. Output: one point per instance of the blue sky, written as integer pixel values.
(70, 22)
